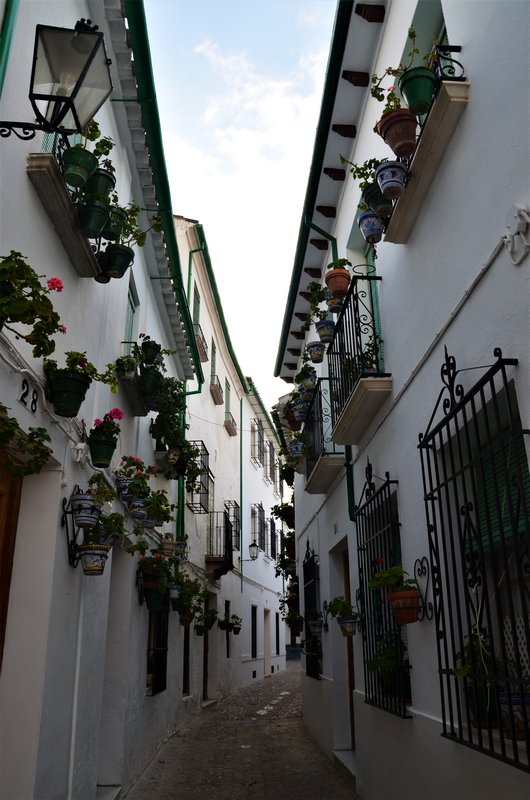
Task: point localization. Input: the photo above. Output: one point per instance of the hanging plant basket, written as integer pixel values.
(92, 218)
(151, 591)
(150, 350)
(137, 510)
(338, 281)
(417, 85)
(376, 201)
(101, 450)
(116, 259)
(325, 329)
(78, 166)
(122, 486)
(101, 182)
(316, 351)
(115, 223)
(372, 227)
(186, 617)
(398, 129)
(93, 557)
(405, 605)
(348, 625)
(180, 547)
(85, 510)
(392, 178)
(67, 389)
(236, 630)
(315, 627)
(149, 382)
(168, 547)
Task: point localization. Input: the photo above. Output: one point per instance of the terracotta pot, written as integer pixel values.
(338, 281)
(398, 129)
(405, 605)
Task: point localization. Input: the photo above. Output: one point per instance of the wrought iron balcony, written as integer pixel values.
(219, 558)
(200, 341)
(197, 500)
(359, 383)
(324, 458)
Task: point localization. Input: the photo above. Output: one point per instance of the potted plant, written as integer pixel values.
(403, 594)
(316, 351)
(205, 620)
(22, 453)
(371, 226)
(126, 366)
(103, 438)
(392, 178)
(337, 278)
(372, 196)
(97, 542)
(132, 478)
(284, 512)
(479, 667)
(155, 572)
(190, 598)
(86, 506)
(371, 354)
(24, 300)
(314, 621)
(119, 254)
(78, 162)
(158, 508)
(345, 614)
(67, 387)
(306, 377)
(391, 665)
(295, 621)
(225, 623)
(236, 622)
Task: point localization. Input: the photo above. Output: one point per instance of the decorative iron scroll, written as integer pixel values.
(446, 67)
(422, 575)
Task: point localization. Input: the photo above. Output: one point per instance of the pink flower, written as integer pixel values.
(379, 560)
(55, 285)
(97, 422)
(62, 328)
(116, 413)
(390, 89)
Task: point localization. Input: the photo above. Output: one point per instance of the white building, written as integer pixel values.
(420, 458)
(91, 682)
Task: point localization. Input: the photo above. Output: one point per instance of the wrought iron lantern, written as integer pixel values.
(253, 550)
(70, 80)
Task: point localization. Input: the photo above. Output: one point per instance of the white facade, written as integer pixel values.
(77, 716)
(457, 281)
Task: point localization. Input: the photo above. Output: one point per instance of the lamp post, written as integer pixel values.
(253, 551)
(70, 80)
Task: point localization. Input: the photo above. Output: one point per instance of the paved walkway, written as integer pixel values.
(251, 746)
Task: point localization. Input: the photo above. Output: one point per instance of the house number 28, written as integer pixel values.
(28, 396)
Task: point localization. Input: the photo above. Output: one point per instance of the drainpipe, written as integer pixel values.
(241, 483)
(347, 448)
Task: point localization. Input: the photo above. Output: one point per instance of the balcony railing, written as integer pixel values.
(359, 383)
(324, 458)
(200, 341)
(219, 559)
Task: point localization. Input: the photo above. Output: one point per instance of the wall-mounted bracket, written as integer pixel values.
(516, 238)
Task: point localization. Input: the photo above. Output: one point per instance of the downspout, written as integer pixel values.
(241, 482)
(348, 463)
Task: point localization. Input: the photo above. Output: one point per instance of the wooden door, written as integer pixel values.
(9, 502)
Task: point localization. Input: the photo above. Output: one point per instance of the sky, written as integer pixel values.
(239, 86)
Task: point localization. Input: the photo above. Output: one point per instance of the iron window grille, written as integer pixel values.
(200, 341)
(234, 514)
(197, 500)
(357, 348)
(270, 472)
(220, 535)
(477, 503)
(317, 427)
(257, 446)
(258, 525)
(313, 643)
(385, 655)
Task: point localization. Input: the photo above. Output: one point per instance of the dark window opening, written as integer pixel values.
(157, 648)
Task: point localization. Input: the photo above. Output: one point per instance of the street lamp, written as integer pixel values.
(70, 80)
(253, 551)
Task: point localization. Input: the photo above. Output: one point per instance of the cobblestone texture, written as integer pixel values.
(250, 746)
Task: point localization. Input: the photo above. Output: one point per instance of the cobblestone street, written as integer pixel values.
(251, 745)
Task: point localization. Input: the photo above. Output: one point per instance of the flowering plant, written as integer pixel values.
(133, 467)
(14, 442)
(100, 489)
(392, 101)
(23, 299)
(157, 565)
(77, 362)
(108, 426)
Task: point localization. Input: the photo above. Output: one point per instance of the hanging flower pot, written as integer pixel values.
(338, 281)
(151, 591)
(398, 129)
(373, 197)
(85, 510)
(122, 486)
(316, 351)
(68, 390)
(115, 223)
(167, 547)
(186, 617)
(325, 329)
(347, 625)
(116, 260)
(137, 510)
(392, 178)
(405, 605)
(334, 303)
(101, 450)
(78, 166)
(93, 557)
(150, 350)
(149, 382)
(92, 217)
(417, 86)
(236, 630)
(315, 626)
(372, 227)
(101, 182)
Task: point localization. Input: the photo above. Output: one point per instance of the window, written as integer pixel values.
(257, 444)
(186, 661)
(234, 514)
(213, 362)
(270, 473)
(313, 643)
(130, 319)
(385, 656)
(157, 648)
(273, 538)
(198, 501)
(477, 503)
(200, 341)
(277, 633)
(258, 525)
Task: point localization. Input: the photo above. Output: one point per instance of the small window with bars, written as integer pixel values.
(273, 538)
(258, 525)
(234, 514)
(198, 500)
(257, 442)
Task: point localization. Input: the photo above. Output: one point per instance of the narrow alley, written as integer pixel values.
(250, 745)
